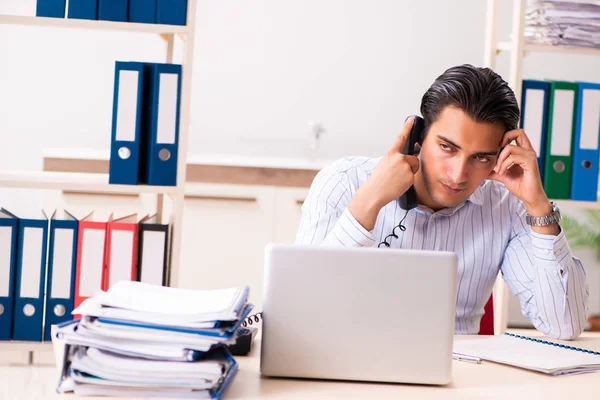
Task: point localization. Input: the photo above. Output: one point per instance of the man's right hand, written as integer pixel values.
(393, 175)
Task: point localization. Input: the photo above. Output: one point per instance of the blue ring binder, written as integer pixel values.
(564, 346)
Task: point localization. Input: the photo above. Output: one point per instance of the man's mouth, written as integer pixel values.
(451, 189)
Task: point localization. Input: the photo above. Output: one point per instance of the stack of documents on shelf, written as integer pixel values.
(149, 340)
(548, 357)
(564, 23)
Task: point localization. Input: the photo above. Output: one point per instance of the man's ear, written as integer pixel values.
(417, 149)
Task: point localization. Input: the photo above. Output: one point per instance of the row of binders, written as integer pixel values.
(145, 125)
(143, 340)
(168, 12)
(48, 267)
(562, 121)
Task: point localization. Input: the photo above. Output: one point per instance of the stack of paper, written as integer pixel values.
(564, 23)
(150, 340)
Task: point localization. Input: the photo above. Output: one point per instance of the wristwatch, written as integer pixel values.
(553, 218)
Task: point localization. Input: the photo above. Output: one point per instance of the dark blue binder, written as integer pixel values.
(160, 137)
(83, 9)
(171, 12)
(9, 225)
(30, 283)
(62, 262)
(142, 11)
(127, 123)
(113, 10)
(50, 8)
(534, 116)
(584, 180)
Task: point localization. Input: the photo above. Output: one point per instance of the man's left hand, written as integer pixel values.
(517, 169)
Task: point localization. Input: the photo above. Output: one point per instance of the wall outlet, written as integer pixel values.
(316, 130)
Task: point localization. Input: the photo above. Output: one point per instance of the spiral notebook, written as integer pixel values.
(530, 353)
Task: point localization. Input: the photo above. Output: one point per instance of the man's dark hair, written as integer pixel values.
(480, 93)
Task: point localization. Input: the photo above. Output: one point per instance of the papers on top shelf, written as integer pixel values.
(563, 23)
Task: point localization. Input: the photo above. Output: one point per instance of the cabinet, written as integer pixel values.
(224, 230)
(288, 213)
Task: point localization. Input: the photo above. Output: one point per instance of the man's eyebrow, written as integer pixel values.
(487, 153)
(449, 141)
(480, 153)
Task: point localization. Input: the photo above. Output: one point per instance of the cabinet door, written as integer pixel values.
(288, 212)
(225, 230)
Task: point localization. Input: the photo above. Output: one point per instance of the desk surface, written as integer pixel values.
(470, 380)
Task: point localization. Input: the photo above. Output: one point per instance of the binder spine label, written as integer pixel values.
(5, 258)
(62, 264)
(534, 116)
(31, 266)
(590, 119)
(92, 262)
(562, 123)
(167, 108)
(127, 105)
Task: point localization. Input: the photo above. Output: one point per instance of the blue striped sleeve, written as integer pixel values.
(325, 215)
(548, 280)
(548, 249)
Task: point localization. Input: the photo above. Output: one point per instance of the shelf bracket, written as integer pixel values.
(165, 36)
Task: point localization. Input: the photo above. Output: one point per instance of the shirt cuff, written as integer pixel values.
(350, 233)
(550, 249)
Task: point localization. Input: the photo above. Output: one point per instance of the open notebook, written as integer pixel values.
(531, 353)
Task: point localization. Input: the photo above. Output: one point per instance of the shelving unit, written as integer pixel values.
(99, 182)
(68, 181)
(544, 48)
(518, 51)
(94, 24)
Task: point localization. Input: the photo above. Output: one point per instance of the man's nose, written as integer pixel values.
(459, 173)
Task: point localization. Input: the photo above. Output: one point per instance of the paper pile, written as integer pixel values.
(146, 340)
(564, 23)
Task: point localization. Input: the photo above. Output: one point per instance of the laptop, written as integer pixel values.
(359, 314)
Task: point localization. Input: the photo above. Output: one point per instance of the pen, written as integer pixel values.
(461, 357)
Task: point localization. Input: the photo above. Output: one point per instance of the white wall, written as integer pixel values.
(263, 69)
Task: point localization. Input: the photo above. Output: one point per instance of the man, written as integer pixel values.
(475, 189)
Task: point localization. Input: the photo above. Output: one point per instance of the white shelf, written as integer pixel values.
(546, 48)
(74, 182)
(215, 159)
(92, 24)
(16, 345)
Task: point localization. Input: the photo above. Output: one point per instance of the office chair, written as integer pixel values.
(486, 325)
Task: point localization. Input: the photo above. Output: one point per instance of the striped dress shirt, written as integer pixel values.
(488, 233)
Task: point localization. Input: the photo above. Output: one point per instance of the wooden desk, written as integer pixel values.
(485, 380)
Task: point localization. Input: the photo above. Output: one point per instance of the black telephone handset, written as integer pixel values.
(408, 200)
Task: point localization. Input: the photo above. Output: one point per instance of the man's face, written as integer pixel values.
(456, 156)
